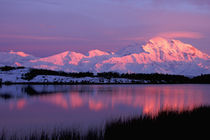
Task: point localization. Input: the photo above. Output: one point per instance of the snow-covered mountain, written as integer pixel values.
(158, 55)
(14, 58)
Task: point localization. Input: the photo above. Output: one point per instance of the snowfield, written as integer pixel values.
(158, 55)
(16, 76)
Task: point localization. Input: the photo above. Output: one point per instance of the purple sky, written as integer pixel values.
(46, 27)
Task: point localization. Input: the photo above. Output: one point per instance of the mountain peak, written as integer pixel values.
(65, 53)
(158, 55)
(22, 54)
(61, 59)
(160, 42)
(158, 39)
(135, 48)
(96, 52)
(162, 50)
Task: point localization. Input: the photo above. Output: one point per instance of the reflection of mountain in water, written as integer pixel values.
(18, 91)
(6, 96)
(150, 99)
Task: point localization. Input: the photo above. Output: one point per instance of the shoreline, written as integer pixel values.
(7, 84)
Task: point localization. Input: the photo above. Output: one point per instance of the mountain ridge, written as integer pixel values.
(158, 55)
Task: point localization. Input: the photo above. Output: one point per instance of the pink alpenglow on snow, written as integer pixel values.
(46, 27)
(157, 55)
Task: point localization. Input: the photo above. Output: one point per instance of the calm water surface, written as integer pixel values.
(35, 107)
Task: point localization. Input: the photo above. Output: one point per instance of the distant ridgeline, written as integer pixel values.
(22, 75)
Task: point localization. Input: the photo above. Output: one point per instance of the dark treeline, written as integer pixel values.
(166, 125)
(152, 78)
(8, 68)
(203, 79)
(34, 72)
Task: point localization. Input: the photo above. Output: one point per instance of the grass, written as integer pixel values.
(174, 124)
(166, 125)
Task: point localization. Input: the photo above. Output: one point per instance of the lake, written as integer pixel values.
(25, 108)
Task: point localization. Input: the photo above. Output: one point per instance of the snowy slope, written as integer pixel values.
(17, 76)
(14, 58)
(158, 55)
(161, 56)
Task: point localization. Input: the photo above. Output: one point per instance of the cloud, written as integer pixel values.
(57, 38)
(133, 38)
(170, 35)
(192, 35)
(172, 3)
(199, 2)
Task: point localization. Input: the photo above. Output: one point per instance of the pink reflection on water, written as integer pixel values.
(75, 100)
(96, 105)
(19, 105)
(149, 99)
(57, 99)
